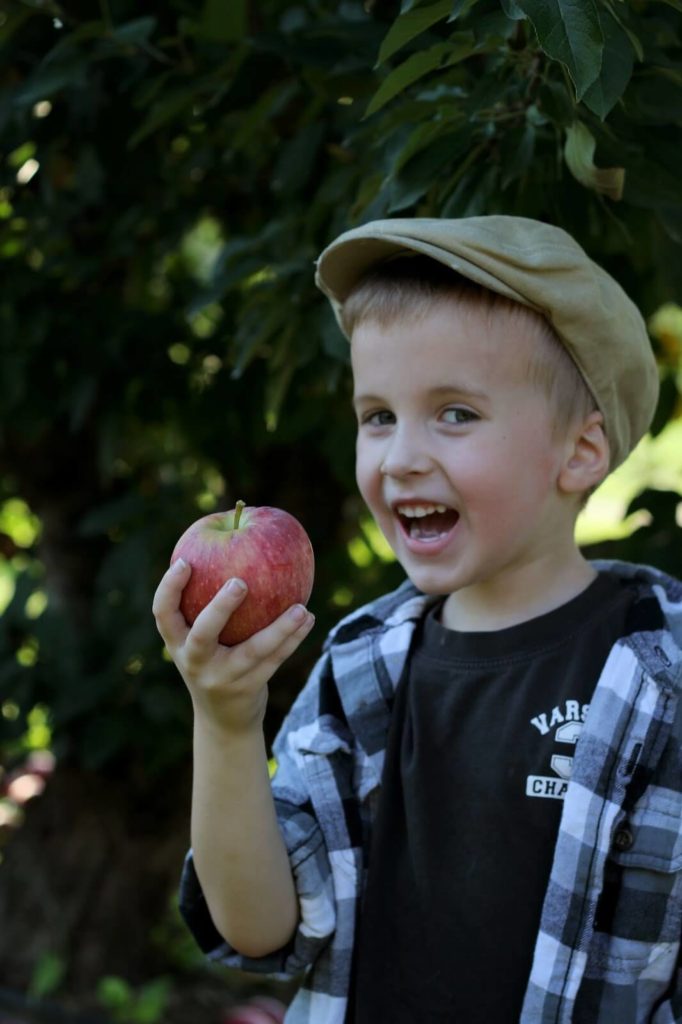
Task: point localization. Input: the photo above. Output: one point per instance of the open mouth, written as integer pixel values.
(426, 522)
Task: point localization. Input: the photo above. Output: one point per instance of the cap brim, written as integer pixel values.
(344, 263)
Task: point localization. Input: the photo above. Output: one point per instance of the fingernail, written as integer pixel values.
(178, 565)
(297, 613)
(236, 586)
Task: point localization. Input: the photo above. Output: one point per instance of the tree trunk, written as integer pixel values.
(87, 878)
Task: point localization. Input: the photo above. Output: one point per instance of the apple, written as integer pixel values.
(274, 1007)
(266, 547)
(262, 1010)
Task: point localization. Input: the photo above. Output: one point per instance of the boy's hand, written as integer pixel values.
(228, 685)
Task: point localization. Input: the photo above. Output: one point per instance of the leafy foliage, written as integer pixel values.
(167, 182)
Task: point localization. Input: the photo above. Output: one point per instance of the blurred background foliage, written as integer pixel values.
(168, 174)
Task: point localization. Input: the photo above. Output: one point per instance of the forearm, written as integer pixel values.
(239, 853)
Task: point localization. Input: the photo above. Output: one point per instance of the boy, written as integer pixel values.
(477, 805)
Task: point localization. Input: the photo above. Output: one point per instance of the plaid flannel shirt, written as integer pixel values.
(608, 949)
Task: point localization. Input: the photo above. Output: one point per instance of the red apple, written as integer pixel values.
(274, 1007)
(248, 1015)
(261, 1010)
(266, 547)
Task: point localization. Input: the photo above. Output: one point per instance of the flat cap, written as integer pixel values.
(537, 265)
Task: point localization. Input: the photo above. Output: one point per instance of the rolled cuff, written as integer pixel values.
(314, 887)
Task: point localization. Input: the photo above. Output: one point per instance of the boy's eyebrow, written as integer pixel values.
(435, 392)
(360, 399)
(458, 389)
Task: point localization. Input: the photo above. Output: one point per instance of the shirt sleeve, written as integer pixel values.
(307, 854)
(670, 1011)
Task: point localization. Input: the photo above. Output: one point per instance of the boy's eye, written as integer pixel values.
(457, 414)
(378, 418)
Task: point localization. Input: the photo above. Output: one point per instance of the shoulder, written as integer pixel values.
(649, 582)
(656, 638)
(371, 642)
(405, 604)
(646, 576)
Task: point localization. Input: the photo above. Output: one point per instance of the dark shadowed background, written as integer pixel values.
(168, 174)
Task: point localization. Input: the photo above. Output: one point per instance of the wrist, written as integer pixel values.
(216, 730)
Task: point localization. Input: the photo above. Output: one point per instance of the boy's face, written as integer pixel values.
(449, 425)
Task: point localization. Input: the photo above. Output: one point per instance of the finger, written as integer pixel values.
(170, 621)
(292, 642)
(272, 645)
(210, 622)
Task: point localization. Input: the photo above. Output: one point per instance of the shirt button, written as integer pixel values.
(623, 839)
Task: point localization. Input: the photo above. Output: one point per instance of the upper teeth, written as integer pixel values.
(417, 511)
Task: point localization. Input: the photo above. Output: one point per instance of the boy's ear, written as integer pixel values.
(587, 457)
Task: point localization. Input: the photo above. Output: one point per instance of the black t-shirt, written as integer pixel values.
(479, 752)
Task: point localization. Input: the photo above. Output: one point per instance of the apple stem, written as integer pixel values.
(239, 507)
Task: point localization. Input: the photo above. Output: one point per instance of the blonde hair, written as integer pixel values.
(408, 286)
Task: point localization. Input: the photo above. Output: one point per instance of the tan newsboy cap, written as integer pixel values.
(540, 266)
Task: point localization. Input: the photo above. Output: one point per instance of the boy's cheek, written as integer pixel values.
(381, 514)
(370, 488)
(363, 477)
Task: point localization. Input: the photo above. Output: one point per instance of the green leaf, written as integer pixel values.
(473, 195)
(368, 194)
(255, 331)
(654, 180)
(275, 393)
(616, 70)
(555, 99)
(48, 975)
(656, 99)
(635, 41)
(297, 160)
(151, 1001)
(170, 107)
(223, 22)
(569, 31)
(409, 25)
(579, 156)
(426, 167)
(517, 156)
(440, 56)
(423, 136)
(512, 10)
(460, 7)
(136, 32)
(49, 79)
(267, 105)
(114, 992)
(12, 22)
(20, 155)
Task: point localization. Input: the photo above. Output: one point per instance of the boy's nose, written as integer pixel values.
(405, 455)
